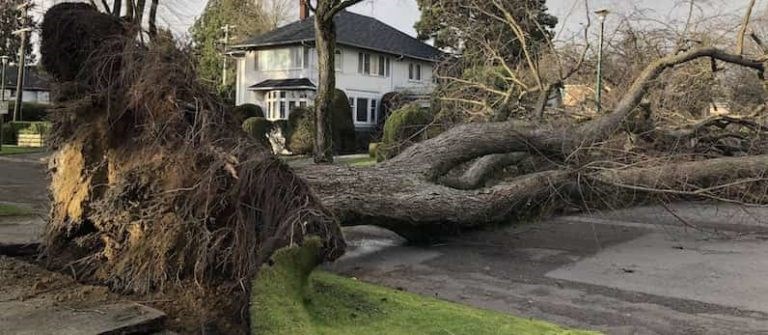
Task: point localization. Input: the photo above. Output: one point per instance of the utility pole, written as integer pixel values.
(24, 8)
(599, 89)
(3, 103)
(226, 28)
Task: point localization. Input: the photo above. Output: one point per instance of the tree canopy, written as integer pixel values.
(10, 22)
(461, 25)
(249, 18)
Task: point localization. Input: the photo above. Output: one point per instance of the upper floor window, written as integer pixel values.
(281, 59)
(338, 59)
(373, 65)
(414, 72)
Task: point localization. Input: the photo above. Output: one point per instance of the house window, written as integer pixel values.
(372, 117)
(373, 65)
(338, 59)
(414, 72)
(256, 60)
(306, 58)
(362, 110)
(281, 59)
(280, 104)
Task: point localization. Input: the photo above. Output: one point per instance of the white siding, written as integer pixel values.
(354, 84)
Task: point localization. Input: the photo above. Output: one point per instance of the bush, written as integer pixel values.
(10, 134)
(11, 130)
(30, 111)
(404, 127)
(247, 111)
(258, 127)
(342, 124)
(301, 128)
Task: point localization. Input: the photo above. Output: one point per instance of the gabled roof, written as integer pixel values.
(285, 84)
(34, 78)
(353, 30)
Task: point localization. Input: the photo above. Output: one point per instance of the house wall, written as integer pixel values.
(41, 97)
(348, 79)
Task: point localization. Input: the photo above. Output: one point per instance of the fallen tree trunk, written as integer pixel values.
(416, 193)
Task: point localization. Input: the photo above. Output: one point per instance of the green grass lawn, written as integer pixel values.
(359, 162)
(15, 150)
(11, 210)
(288, 300)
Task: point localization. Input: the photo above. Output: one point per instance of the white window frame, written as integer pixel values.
(414, 72)
(297, 59)
(278, 103)
(371, 109)
(371, 65)
(338, 58)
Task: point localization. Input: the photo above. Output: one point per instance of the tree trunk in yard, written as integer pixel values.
(325, 37)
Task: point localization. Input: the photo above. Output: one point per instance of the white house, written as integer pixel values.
(36, 88)
(278, 70)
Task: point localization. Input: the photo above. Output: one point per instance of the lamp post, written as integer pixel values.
(601, 14)
(4, 60)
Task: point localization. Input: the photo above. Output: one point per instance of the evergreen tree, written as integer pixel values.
(248, 17)
(460, 25)
(10, 22)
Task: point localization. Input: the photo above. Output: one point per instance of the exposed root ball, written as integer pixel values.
(151, 181)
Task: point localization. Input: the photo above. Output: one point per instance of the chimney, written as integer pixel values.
(303, 9)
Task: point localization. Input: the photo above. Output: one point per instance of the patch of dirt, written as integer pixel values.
(190, 309)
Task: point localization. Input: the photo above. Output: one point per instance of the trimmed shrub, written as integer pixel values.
(404, 127)
(10, 134)
(342, 124)
(11, 130)
(30, 111)
(259, 128)
(247, 111)
(301, 128)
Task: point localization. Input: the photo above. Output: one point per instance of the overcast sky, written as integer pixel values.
(402, 14)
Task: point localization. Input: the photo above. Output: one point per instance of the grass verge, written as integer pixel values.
(11, 210)
(288, 299)
(15, 150)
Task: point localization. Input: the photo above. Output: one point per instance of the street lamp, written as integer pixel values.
(601, 14)
(3, 103)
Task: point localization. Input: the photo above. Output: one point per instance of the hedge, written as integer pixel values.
(258, 127)
(301, 127)
(11, 130)
(404, 127)
(30, 111)
(247, 111)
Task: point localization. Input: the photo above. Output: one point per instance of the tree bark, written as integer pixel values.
(411, 195)
(325, 42)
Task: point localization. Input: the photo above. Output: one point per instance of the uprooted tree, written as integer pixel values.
(153, 183)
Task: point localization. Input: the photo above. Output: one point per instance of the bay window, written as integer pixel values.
(279, 104)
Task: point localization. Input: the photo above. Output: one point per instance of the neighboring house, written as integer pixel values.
(278, 70)
(36, 88)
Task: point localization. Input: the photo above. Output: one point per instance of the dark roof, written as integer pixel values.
(286, 84)
(352, 30)
(34, 79)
